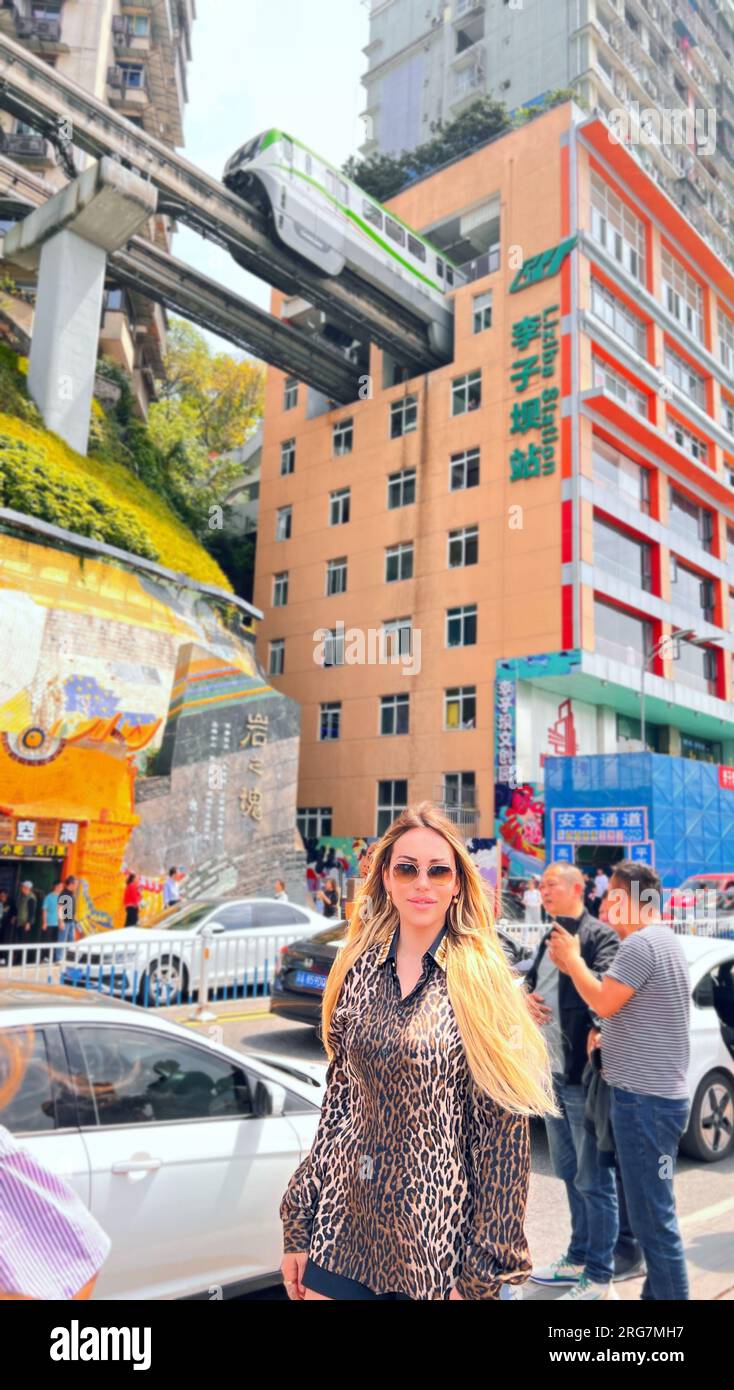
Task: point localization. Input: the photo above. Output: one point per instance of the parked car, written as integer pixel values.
(180, 1147)
(163, 964)
(710, 1132)
(303, 966)
(699, 892)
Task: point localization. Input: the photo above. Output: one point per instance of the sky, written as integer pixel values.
(261, 63)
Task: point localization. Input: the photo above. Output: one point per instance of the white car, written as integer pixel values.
(710, 1132)
(163, 964)
(180, 1148)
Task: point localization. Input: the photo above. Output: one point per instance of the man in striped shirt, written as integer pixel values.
(643, 1002)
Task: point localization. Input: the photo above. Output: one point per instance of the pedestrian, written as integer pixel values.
(27, 920)
(628, 1260)
(52, 1246)
(280, 892)
(643, 1002)
(416, 1185)
(6, 923)
(532, 903)
(68, 910)
(591, 900)
(171, 893)
(50, 917)
(329, 896)
(131, 900)
(587, 1266)
(601, 883)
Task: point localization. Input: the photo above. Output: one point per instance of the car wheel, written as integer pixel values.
(710, 1133)
(162, 981)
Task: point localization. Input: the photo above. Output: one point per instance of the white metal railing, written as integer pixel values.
(166, 969)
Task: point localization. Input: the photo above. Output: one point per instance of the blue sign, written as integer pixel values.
(642, 854)
(562, 853)
(623, 825)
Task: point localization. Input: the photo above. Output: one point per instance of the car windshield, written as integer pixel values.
(188, 919)
(693, 885)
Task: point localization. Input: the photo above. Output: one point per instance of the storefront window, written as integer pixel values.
(619, 473)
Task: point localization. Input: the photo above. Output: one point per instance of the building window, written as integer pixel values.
(682, 295)
(727, 416)
(460, 707)
(463, 547)
(687, 441)
(334, 647)
(482, 312)
(290, 393)
(283, 523)
(133, 75)
(287, 457)
(696, 667)
(726, 342)
(702, 750)
(401, 489)
(464, 470)
(459, 789)
(314, 821)
(614, 384)
(276, 657)
(343, 438)
(621, 555)
(691, 590)
(621, 635)
(336, 576)
(688, 519)
(620, 474)
(280, 589)
(403, 416)
(690, 382)
(629, 735)
(330, 718)
(613, 312)
(392, 798)
(461, 626)
(466, 393)
(397, 637)
(140, 25)
(399, 562)
(617, 229)
(394, 714)
(339, 503)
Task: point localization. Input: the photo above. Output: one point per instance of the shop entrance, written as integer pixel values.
(589, 858)
(42, 873)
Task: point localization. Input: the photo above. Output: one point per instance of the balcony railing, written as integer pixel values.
(44, 30)
(27, 147)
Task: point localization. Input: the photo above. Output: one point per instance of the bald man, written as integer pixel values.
(588, 1264)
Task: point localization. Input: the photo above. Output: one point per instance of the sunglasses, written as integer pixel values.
(437, 873)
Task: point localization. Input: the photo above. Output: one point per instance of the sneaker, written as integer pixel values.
(560, 1272)
(628, 1269)
(586, 1290)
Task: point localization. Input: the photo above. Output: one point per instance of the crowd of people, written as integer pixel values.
(32, 919)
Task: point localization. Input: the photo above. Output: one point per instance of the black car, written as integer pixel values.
(298, 986)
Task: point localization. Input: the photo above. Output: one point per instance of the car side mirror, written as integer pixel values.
(216, 928)
(269, 1099)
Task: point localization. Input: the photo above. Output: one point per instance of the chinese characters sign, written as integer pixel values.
(543, 266)
(255, 736)
(504, 732)
(36, 839)
(613, 826)
(536, 336)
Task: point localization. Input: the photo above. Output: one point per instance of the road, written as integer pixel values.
(704, 1191)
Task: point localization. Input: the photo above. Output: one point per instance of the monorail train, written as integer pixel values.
(333, 223)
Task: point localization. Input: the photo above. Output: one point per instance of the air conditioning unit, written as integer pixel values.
(114, 77)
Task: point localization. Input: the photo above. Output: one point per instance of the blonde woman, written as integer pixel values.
(416, 1183)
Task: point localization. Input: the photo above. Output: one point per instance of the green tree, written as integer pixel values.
(209, 404)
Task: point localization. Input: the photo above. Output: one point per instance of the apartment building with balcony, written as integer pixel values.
(523, 527)
(427, 60)
(132, 54)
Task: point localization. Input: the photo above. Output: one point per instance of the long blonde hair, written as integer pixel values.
(505, 1049)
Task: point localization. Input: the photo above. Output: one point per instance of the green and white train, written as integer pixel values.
(334, 224)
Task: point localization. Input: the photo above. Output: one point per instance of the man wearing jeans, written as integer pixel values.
(588, 1264)
(644, 1006)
